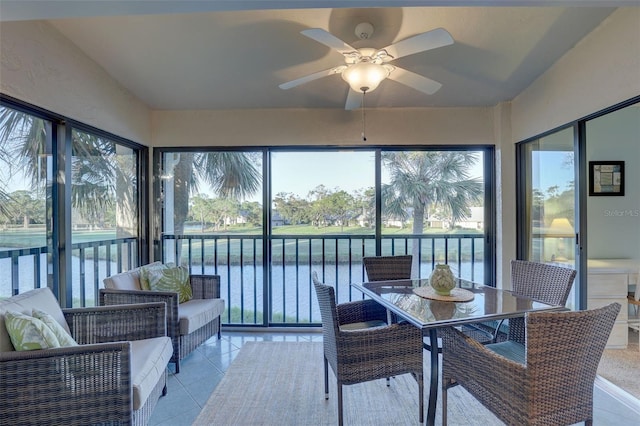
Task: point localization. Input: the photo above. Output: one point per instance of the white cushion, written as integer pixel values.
(197, 312)
(129, 280)
(149, 359)
(40, 298)
(123, 281)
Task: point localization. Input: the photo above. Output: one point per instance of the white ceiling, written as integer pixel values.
(183, 55)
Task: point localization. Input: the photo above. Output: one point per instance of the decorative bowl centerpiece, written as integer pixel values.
(442, 280)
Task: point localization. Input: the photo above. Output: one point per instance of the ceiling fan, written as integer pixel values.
(365, 68)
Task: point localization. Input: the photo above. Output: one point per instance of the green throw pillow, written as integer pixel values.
(28, 333)
(64, 338)
(145, 272)
(172, 279)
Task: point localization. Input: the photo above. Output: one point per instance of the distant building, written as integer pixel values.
(474, 221)
(277, 219)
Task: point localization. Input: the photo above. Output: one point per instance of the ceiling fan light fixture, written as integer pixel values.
(365, 76)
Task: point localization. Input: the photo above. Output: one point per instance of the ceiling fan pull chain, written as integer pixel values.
(364, 137)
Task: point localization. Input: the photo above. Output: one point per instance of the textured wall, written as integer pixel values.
(603, 69)
(323, 127)
(41, 67)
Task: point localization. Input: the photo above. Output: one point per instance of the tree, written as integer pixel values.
(22, 145)
(292, 208)
(100, 176)
(200, 209)
(252, 211)
(231, 175)
(341, 207)
(24, 207)
(420, 179)
(365, 203)
(320, 206)
(224, 211)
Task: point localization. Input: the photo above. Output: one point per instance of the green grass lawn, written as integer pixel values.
(231, 248)
(329, 230)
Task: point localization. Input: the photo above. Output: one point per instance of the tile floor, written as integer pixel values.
(203, 369)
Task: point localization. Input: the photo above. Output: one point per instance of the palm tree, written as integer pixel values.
(420, 179)
(102, 177)
(22, 143)
(233, 175)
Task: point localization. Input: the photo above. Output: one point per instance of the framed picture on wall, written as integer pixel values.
(606, 178)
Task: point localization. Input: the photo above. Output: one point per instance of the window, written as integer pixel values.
(25, 201)
(326, 209)
(71, 210)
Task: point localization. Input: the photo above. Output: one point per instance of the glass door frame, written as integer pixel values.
(581, 188)
(523, 191)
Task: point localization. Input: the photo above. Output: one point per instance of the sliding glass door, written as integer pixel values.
(547, 200)
(266, 221)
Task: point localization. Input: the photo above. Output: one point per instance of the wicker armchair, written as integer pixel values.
(385, 268)
(550, 383)
(359, 355)
(114, 376)
(546, 283)
(189, 324)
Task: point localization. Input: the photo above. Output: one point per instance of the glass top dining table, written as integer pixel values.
(486, 304)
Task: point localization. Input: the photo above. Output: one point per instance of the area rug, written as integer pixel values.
(620, 366)
(281, 383)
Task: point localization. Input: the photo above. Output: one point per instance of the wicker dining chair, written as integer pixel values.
(550, 384)
(546, 283)
(387, 268)
(359, 355)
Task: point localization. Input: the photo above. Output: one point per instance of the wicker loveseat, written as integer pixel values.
(189, 323)
(114, 375)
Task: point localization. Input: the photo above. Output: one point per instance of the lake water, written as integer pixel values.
(241, 287)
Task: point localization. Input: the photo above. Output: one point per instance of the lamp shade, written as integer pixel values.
(364, 76)
(561, 227)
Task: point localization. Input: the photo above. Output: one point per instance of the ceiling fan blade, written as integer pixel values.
(310, 77)
(415, 81)
(425, 41)
(328, 39)
(354, 100)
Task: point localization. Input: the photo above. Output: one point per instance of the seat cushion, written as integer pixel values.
(149, 360)
(511, 350)
(40, 298)
(197, 312)
(362, 325)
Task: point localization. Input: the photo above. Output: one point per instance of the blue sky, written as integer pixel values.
(549, 169)
(300, 172)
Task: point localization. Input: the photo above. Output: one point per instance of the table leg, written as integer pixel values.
(433, 384)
